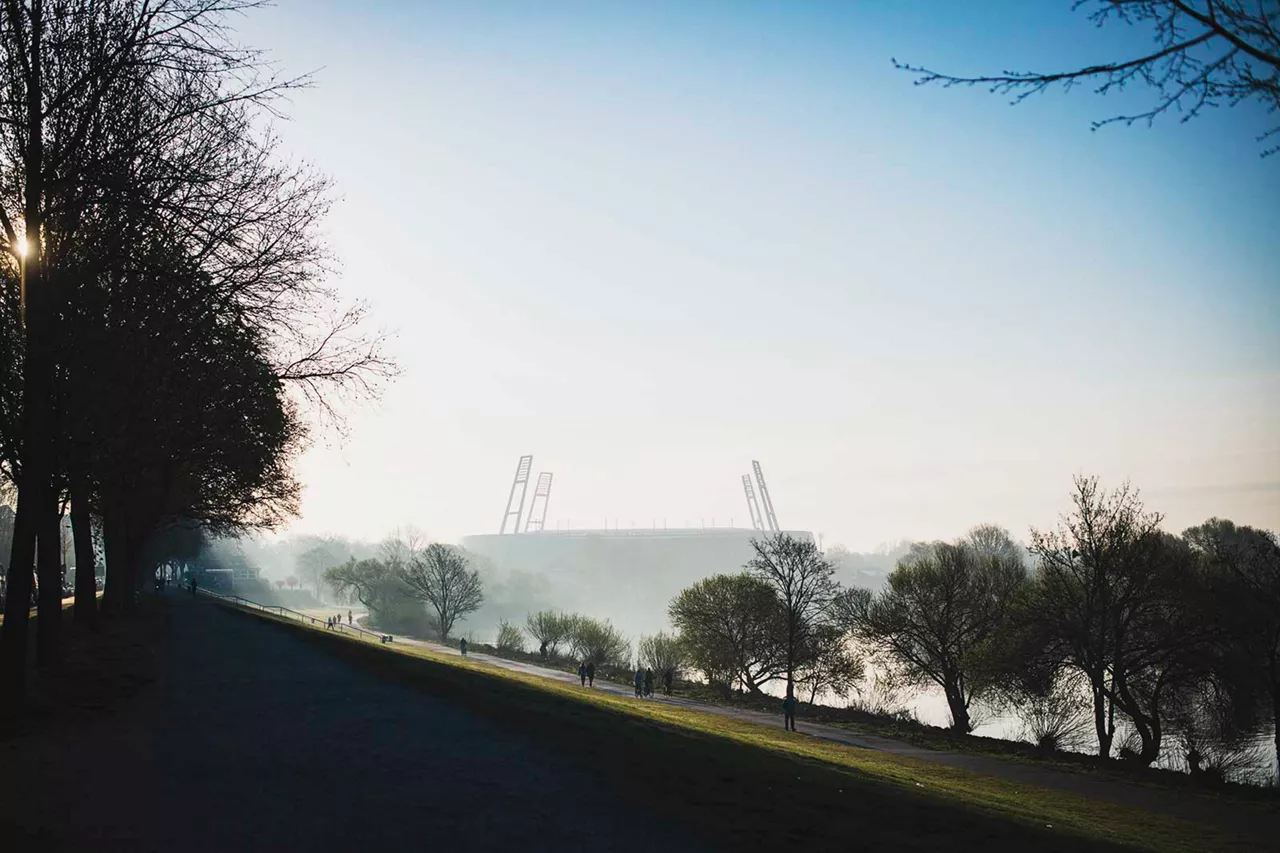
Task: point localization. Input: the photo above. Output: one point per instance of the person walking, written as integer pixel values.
(349, 622)
(591, 673)
(582, 674)
(639, 682)
(462, 644)
(789, 712)
(648, 682)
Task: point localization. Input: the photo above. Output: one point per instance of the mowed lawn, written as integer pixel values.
(741, 784)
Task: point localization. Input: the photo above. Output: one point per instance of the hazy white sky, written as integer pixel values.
(650, 243)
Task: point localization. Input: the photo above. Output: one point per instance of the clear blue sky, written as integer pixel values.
(651, 242)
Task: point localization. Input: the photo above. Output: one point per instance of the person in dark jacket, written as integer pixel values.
(789, 713)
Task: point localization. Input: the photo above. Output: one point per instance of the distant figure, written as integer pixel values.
(666, 682)
(591, 673)
(462, 644)
(582, 674)
(789, 713)
(194, 584)
(648, 682)
(349, 622)
(542, 650)
(639, 683)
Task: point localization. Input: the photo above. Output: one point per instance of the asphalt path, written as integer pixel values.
(252, 739)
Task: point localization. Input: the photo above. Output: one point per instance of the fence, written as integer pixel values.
(286, 613)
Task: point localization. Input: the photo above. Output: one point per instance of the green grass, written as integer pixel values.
(742, 784)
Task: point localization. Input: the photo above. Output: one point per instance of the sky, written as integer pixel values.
(650, 243)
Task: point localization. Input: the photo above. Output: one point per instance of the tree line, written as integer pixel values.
(407, 575)
(164, 322)
(1105, 621)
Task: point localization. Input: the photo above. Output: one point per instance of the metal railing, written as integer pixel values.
(286, 613)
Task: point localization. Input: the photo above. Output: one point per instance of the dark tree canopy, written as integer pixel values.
(946, 610)
(732, 626)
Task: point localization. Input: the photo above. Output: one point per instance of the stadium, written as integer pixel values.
(620, 572)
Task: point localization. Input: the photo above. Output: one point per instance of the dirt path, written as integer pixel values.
(253, 739)
(1184, 804)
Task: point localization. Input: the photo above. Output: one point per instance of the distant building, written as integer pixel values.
(629, 576)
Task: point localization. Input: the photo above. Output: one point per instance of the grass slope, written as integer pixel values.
(739, 784)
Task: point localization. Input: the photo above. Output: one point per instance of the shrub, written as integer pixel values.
(510, 637)
(598, 642)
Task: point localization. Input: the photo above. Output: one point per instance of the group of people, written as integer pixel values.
(587, 673)
(644, 683)
(336, 621)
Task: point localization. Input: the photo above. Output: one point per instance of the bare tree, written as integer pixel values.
(1086, 590)
(802, 580)
(1207, 53)
(441, 577)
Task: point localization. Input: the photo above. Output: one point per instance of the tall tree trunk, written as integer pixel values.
(86, 562)
(115, 536)
(132, 566)
(49, 573)
(17, 606)
(1100, 724)
(960, 720)
(35, 428)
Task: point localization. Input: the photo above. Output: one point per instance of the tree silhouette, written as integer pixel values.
(1207, 53)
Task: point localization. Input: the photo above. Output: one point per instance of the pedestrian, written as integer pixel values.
(591, 673)
(582, 674)
(462, 644)
(349, 622)
(639, 682)
(194, 584)
(648, 682)
(542, 650)
(789, 713)
(666, 681)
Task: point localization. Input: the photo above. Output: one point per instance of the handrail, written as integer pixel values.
(285, 612)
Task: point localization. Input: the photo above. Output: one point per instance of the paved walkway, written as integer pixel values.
(252, 739)
(1184, 804)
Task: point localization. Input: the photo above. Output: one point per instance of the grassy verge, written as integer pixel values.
(945, 740)
(744, 785)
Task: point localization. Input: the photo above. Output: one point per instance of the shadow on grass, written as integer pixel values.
(731, 794)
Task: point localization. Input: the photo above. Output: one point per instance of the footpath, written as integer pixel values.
(1190, 805)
